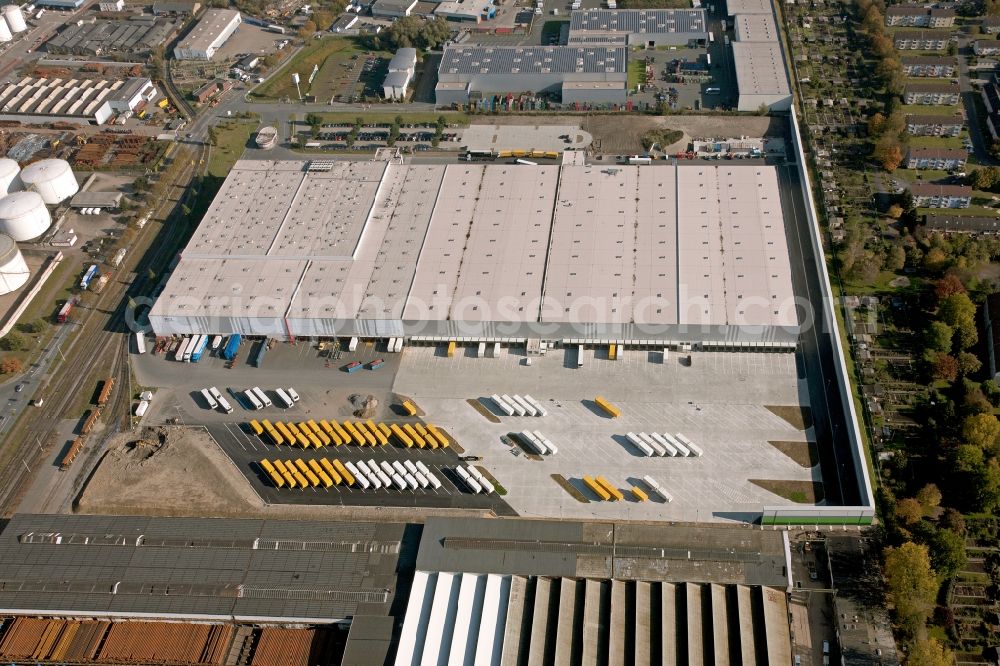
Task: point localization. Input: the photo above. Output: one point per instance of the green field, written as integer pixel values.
(230, 141)
(317, 53)
(636, 73)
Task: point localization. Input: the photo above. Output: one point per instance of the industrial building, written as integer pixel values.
(393, 8)
(213, 29)
(517, 591)
(14, 272)
(176, 7)
(760, 76)
(755, 28)
(441, 252)
(595, 75)
(136, 35)
(736, 7)
(400, 73)
(84, 100)
(197, 568)
(638, 27)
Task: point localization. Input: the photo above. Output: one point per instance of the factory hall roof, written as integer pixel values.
(197, 568)
(322, 243)
(476, 60)
(638, 21)
(760, 69)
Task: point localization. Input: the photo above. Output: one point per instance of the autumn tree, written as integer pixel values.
(968, 364)
(947, 286)
(938, 336)
(895, 211)
(908, 511)
(11, 366)
(308, 29)
(981, 430)
(888, 153)
(943, 367)
(929, 497)
(929, 652)
(912, 585)
(959, 312)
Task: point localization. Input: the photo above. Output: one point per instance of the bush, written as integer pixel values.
(662, 138)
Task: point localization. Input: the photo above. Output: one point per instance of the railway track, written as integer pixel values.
(102, 341)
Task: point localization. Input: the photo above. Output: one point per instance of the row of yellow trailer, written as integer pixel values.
(363, 433)
(607, 491)
(302, 474)
(539, 154)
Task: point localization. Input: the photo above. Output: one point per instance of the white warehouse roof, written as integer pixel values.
(368, 248)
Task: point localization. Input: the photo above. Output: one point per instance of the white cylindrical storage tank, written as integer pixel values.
(5, 35)
(23, 216)
(14, 18)
(10, 174)
(53, 179)
(13, 269)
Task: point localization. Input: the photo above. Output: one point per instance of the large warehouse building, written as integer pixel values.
(638, 27)
(760, 66)
(588, 75)
(213, 29)
(661, 253)
(83, 100)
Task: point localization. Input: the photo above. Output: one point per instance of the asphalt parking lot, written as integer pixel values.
(246, 450)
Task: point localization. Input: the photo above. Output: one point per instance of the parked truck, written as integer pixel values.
(199, 348)
(232, 347)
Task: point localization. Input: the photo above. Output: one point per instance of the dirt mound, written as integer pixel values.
(363, 406)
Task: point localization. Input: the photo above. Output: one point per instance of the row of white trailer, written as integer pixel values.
(394, 346)
(90, 211)
(475, 480)
(191, 347)
(487, 350)
(538, 443)
(655, 444)
(518, 406)
(215, 400)
(402, 476)
(657, 488)
(259, 400)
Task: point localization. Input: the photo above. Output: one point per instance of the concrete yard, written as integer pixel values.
(718, 402)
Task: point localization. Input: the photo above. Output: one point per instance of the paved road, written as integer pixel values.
(14, 401)
(979, 141)
(816, 355)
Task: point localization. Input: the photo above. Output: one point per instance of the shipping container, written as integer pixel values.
(438, 435)
(473, 485)
(596, 488)
(232, 347)
(414, 435)
(179, 352)
(390, 346)
(140, 343)
(612, 352)
(411, 481)
(399, 345)
(292, 394)
(141, 407)
(216, 342)
(451, 349)
(88, 276)
(399, 481)
(199, 348)
(639, 444)
(693, 448)
(257, 428)
(258, 357)
(525, 405)
(433, 480)
(550, 448)
(379, 435)
(539, 410)
(496, 350)
(261, 396)
(579, 356)
(662, 441)
(682, 450)
(352, 345)
(212, 404)
(481, 352)
(283, 399)
(195, 340)
(610, 409)
(616, 495)
(638, 494)
(401, 436)
(533, 443)
(502, 405)
(518, 409)
(106, 388)
(658, 449)
(252, 399)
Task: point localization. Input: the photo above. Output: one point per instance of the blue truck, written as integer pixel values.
(258, 358)
(232, 346)
(199, 348)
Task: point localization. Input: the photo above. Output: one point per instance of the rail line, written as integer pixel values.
(101, 341)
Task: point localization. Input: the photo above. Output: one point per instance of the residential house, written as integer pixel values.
(930, 195)
(986, 47)
(919, 17)
(945, 159)
(991, 100)
(933, 125)
(991, 25)
(931, 93)
(922, 40)
(929, 66)
(962, 224)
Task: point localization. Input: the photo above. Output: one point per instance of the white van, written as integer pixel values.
(293, 395)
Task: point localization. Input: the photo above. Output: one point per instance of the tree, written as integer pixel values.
(12, 342)
(959, 312)
(947, 286)
(876, 125)
(896, 258)
(947, 553)
(938, 336)
(308, 29)
(929, 652)
(981, 430)
(984, 179)
(888, 153)
(912, 585)
(323, 19)
(929, 497)
(968, 364)
(908, 511)
(944, 367)
(895, 211)
(31, 326)
(11, 366)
